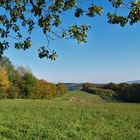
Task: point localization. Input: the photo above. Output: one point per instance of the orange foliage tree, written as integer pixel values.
(4, 83)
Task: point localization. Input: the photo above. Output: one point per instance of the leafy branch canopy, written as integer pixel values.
(47, 15)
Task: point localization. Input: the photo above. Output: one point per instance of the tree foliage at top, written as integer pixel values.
(18, 17)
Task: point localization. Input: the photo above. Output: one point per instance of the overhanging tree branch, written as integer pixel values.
(47, 15)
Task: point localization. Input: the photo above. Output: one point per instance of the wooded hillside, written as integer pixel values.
(21, 83)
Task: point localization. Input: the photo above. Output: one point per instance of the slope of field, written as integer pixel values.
(75, 116)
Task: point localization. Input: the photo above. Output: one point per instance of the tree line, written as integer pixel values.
(122, 92)
(21, 83)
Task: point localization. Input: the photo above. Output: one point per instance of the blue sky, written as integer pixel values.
(112, 54)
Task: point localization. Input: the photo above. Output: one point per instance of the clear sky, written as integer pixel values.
(112, 54)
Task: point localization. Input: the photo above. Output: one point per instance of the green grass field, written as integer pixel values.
(75, 116)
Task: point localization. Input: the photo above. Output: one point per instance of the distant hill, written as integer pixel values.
(131, 82)
(78, 86)
(74, 86)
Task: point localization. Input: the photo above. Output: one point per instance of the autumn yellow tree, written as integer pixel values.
(42, 89)
(46, 90)
(61, 89)
(4, 83)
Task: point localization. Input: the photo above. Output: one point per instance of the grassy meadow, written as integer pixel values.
(75, 116)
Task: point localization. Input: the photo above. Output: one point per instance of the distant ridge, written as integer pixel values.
(78, 86)
(74, 86)
(131, 82)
